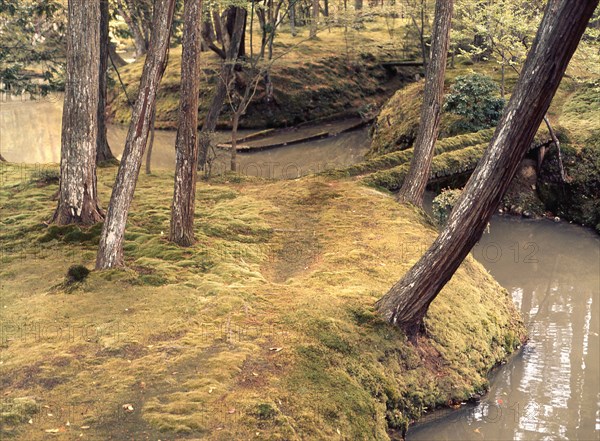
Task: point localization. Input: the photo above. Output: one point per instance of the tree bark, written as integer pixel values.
(150, 143)
(103, 152)
(78, 198)
(293, 17)
(186, 146)
(315, 18)
(212, 116)
(110, 252)
(418, 174)
(563, 24)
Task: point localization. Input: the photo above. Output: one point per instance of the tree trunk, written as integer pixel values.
(78, 198)
(358, 5)
(293, 17)
(212, 116)
(110, 252)
(138, 37)
(314, 19)
(150, 143)
(234, 129)
(103, 152)
(433, 97)
(186, 146)
(564, 22)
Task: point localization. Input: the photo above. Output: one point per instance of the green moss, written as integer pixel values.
(265, 325)
(77, 273)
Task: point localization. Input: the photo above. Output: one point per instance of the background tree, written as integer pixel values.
(32, 35)
(103, 152)
(186, 147)
(415, 182)
(564, 22)
(229, 52)
(78, 198)
(110, 251)
(138, 16)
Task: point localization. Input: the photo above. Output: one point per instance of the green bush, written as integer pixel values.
(77, 273)
(443, 205)
(474, 98)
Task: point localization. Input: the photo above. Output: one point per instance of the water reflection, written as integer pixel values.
(30, 133)
(550, 390)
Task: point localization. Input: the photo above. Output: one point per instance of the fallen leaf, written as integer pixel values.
(52, 430)
(275, 349)
(231, 410)
(85, 427)
(477, 430)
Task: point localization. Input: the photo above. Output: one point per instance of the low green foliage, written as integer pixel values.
(443, 204)
(474, 98)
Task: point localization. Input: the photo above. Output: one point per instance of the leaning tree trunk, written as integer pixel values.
(418, 174)
(564, 22)
(110, 251)
(227, 67)
(103, 152)
(186, 146)
(78, 198)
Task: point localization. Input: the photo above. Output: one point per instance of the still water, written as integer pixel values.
(30, 133)
(549, 390)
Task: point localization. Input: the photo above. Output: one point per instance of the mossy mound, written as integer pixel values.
(577, 199)
(264, 329)
(305, 90)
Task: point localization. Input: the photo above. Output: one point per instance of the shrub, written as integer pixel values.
(443, 205)
(77, 273)
(474, 98)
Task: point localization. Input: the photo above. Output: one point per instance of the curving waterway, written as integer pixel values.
(549, 390)
(30, 133)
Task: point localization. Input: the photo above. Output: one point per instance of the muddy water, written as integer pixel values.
(30, 133)
(551, 389)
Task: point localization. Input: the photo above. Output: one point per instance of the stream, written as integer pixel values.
(30, 133)
(548, 390)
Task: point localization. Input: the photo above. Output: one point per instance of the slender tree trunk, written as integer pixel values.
(234, 130)
(212, 116)
(138, 37)
(557, 144)
(78, 198)
(186, 147)
(293, 18)
(415, 182)
(314, 19)
(564, 22)
(151, 142)
(103, 152)
(110, 252)
(358, 5)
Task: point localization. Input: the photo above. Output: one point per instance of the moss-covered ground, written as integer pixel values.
(265, 329)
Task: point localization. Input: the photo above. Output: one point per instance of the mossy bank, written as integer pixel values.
(314, 79)
(534, 191)
(265, 329)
